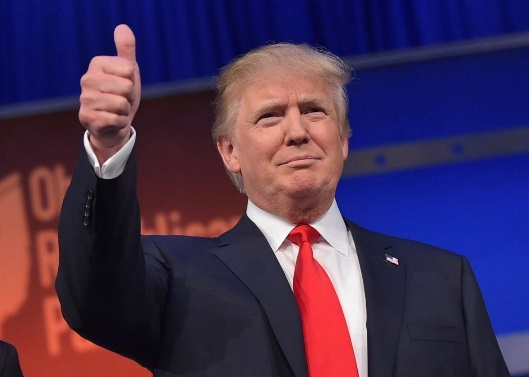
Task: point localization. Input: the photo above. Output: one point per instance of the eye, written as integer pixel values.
(267, 119)
(315, 113)
(315, 109)
(267, 115)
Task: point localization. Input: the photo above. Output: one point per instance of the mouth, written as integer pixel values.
(300, 161)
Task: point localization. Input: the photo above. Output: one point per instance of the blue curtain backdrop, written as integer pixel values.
(46, 45)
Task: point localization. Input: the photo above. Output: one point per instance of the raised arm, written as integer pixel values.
(111, 288)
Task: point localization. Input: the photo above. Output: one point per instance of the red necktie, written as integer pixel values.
(327, 341)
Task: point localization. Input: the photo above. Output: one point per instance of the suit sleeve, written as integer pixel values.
(111, 291)
(9, 364)
(485, 354)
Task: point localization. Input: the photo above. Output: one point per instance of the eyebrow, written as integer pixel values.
(267, 106)
(308, 99)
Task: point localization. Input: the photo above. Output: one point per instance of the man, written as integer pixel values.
(9, 364)
(242, 304)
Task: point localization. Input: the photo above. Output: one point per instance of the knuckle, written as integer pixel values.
(96, 61)
(128, 67)
(128, 86)
(122, 106)
(89, 100)
(86, 117)
(85, 98)
(85, 80)
(117, 121)
(90, 80)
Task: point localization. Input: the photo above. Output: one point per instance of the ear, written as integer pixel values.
(229, 155)
(345, 147)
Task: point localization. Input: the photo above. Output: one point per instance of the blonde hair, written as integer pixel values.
(277, 59)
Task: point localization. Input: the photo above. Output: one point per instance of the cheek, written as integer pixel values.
(252, 159)
(330, 143)
(262, 148)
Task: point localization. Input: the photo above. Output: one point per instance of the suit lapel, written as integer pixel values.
(247, 253)
(384, 285)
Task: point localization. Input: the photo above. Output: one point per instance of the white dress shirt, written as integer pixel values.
(115, 165)
(335, 251)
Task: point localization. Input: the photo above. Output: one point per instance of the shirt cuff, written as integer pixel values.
(115, 165)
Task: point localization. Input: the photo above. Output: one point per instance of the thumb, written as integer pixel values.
(125, 42)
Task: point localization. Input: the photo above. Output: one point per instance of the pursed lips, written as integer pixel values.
(299, 160)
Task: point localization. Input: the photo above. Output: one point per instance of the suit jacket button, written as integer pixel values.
(90, 195)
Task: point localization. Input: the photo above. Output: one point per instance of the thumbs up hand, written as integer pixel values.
(110, 96)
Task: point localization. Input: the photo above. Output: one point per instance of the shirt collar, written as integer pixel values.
(331, 227)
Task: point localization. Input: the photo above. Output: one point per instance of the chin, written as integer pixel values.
(305, 186)
(303, 189)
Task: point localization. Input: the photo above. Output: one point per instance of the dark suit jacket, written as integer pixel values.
(189, 306)
(9, 365)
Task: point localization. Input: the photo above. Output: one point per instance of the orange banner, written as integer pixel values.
(183, 190)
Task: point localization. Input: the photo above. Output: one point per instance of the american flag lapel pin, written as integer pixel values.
(392, 260)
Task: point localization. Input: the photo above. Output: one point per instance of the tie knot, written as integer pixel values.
(303, 233)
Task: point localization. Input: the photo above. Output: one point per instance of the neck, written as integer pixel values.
(299, 210)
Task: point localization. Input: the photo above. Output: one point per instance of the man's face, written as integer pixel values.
(286, 141)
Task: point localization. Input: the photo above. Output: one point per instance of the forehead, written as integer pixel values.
(285, 87)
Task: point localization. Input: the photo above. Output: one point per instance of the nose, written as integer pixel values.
(296, 131)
